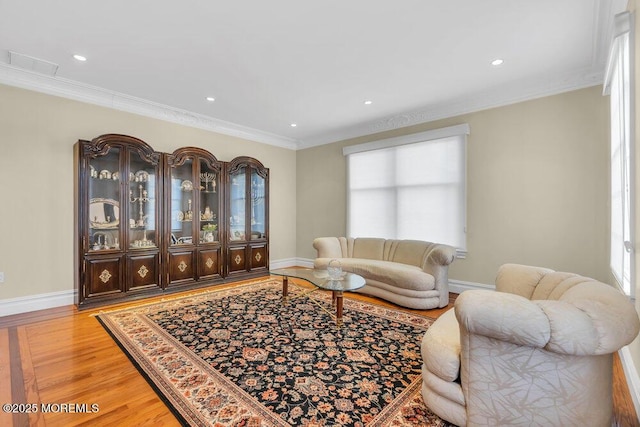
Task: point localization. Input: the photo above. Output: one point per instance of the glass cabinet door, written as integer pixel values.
(143, 230)
(209, 203)
(104, 202)
(237, 218)
(258, 208)
(247, 250)
(182, 203)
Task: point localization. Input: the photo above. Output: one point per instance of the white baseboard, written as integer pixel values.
(283, 263)
(36, 302)
(304, 262)
(30, 303)
(459, 286)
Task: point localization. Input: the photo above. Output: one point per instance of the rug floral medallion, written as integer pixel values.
(243, 356)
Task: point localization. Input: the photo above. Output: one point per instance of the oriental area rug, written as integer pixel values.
(243, 356)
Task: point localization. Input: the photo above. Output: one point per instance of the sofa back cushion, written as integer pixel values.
(411, 252)
(368, 248)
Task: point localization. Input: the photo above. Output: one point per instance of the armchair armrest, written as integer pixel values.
(505, 317)
(581, 327)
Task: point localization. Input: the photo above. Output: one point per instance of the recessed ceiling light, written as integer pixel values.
(497, 62)
(79, 58)
(368, 102)
(293, 125)
(210, 98)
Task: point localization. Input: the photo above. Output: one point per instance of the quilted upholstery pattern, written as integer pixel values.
(537, 352)
(508, 384)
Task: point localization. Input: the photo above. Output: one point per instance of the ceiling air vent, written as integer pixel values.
(33, 64)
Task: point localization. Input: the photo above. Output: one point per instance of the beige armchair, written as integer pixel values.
(536, 352)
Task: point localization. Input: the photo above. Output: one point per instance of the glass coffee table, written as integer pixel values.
(320, 280)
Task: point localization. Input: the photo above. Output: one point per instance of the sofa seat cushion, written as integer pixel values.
(441, 347)
(392, 273)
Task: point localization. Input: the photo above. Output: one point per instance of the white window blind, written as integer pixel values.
(618, 84)
(412, 187)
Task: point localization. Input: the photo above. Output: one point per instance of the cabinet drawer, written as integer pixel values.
(104, 276)
(143, 272)
(181, 266)
(258, 256)
(237, 259)
(209, 264)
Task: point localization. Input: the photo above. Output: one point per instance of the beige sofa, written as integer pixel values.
(536, 352)
(410, 273)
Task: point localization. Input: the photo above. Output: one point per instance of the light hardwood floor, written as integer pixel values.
(63, 356)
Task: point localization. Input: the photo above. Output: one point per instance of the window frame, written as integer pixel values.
(622, 52)
(460, 131)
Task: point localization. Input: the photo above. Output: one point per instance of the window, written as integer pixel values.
(618, 84)
(411, 187)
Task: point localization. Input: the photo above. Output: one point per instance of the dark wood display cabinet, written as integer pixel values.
(248, 218)
(150, 223)
(194, 202)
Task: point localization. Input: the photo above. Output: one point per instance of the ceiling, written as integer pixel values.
(313, 63)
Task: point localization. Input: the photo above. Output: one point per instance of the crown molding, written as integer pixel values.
(70, 89)
(511, 93)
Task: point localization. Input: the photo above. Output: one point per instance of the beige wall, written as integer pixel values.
(37, 133)
(537, 187)
(537, 179)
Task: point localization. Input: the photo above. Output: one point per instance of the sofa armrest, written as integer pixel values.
(328, 247)
(436, 262)
(438, 256)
